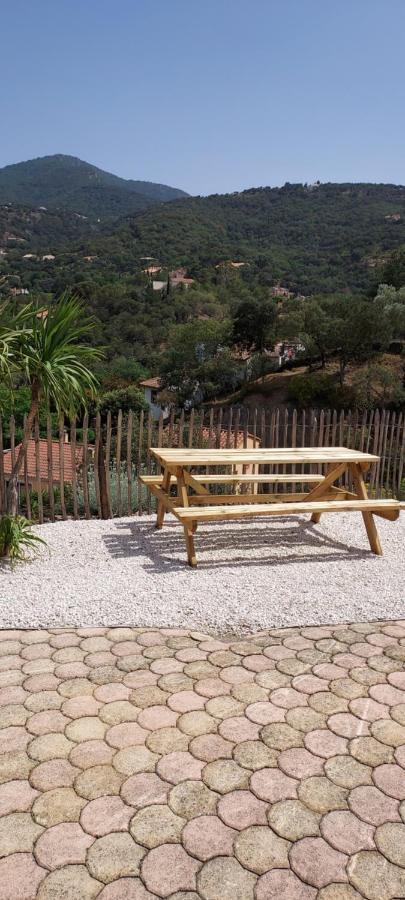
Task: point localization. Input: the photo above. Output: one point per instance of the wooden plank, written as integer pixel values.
(38, 472)
(2, 481)
(62, 467)
(129, 462)
(203, 457)
(118, 461)
(97, 464)
(165, 489)
(212, 514)
(51, 494)
(220, 499)
(139, 460)
(395, 484)
(393, 419)
(27, 486)
(181, 428)
(193, 483)
(368, 520)
(108, 436)
(73, 464)
(245, 479)
(401, 458)
(85, 466)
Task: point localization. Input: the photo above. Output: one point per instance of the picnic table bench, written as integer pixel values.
(194, 503)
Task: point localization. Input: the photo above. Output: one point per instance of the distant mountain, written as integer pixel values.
(66, 182)
(322, 237)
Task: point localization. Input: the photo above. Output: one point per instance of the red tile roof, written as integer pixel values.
(151, 382)
(43, 461)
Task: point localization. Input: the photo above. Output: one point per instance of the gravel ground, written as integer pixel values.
(250, 575)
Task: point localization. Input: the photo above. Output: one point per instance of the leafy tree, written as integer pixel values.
(254, 324)
(125, 398)
(48, 352)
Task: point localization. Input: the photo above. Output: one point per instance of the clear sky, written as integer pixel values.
(208, 95)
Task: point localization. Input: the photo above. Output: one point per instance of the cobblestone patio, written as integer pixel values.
(139, 764)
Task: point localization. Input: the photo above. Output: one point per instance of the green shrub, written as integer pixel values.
(16, 538)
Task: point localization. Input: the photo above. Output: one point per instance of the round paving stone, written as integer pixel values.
(272, 680)
(108, 693)
(155, 825)
(348, 726)
(91, 753)
(224, 775)
(144, 789)
(347, 772)
(280, 736)
(299, 763)
(368, 709)
(255, 755)
(208, 747)
(258, 849)
(99, 781)
(119, 711)
(167, 740)
(369, 751)
(249, 693)
(192, 798)
(104, 815)
(388, 732)
(156, 717)
(18, 833)
(16, 796)
(148, 696)
(338, 892)
(272, 785)
(73, 882)
(197, 722)
(327, 703)
(345, 832)
(49, 720)
(114, 856)
(322, 795)
(305, 719)
(239, 729)
(53, 774)
(240, 809)
(87, 729)
(398, 713)
(391, 780)
(56, 806)
(184, 701)
(223, 707)
(50, 746)
(13, 715)
(263, 713)
(76, 687)
(62, 845)
(44, 700)
(390, 840)
(134, 760)
(169, 868)
(292, 820)
(127, 734)
(375, 877)
(125, 889)
(371, 805)
(313, 860)
(283, 885)
(206, 837)
(223, 878)
(15, 765)
(179, 766)
(20, 869)
(324, 743)
(175, 682)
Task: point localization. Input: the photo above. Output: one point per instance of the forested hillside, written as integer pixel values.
(69, 183)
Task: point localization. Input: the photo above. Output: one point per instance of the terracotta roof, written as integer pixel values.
(43, 460)
(151, 382)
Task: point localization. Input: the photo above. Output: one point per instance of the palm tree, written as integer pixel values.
(44, 346)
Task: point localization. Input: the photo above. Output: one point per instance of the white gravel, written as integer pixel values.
(250, 575)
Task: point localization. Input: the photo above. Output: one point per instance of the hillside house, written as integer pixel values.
(151, 388)
(178, 277)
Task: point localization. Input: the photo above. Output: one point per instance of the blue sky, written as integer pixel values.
(208, 95)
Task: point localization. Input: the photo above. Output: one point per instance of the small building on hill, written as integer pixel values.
(151, 388)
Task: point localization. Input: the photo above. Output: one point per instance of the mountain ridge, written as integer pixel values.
(63, 181)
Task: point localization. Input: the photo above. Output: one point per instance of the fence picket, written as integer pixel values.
(38, 472)
(85, 468)
(73, 458)
(51, 494)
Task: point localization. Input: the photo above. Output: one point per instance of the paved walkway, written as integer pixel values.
(138, 764)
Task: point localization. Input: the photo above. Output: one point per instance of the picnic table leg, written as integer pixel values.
(161, 507)
(189, 527)
(368, 517)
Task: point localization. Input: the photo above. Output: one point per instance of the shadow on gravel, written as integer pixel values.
(164, 550)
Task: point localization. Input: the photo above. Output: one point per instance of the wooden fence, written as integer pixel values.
(71, 470)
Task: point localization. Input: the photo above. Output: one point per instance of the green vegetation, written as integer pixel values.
(68, 182)
(16, 538)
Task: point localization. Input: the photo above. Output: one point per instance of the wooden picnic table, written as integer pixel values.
(194, 502)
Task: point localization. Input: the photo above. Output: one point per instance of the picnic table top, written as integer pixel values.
(185, 456)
